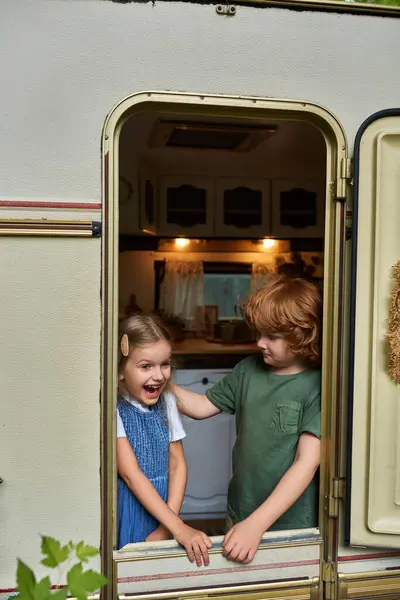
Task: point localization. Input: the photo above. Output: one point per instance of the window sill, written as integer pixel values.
(171, 549)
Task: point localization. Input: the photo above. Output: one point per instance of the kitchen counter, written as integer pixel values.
(201, 346)
(197, 353)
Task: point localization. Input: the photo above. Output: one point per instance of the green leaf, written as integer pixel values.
(84, 552)
(28, 588)
(81, 583)
(42, 589)
(26, 581)
(60, 594)
(53, 551)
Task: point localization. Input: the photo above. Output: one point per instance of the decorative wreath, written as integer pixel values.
(393, 335)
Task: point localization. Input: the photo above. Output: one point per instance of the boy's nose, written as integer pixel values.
(261, 343)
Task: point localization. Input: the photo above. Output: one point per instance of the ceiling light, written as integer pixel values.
(267, 243)
(182, 242)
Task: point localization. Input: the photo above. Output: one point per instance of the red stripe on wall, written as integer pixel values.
(281, 565)
(356, 557)
(368, 556)
(71, 205)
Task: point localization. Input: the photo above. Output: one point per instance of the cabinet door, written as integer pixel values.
(186, 206)
(298, 208)
(148, 200)
(128, 204)
(208, 449)
(242, 207)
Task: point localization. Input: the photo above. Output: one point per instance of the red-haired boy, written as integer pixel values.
(276, 400)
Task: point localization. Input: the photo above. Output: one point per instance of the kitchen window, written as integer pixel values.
(227, 290)
(226, 285)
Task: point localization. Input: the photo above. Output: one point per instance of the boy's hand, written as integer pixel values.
(159, 534)
(242, 541)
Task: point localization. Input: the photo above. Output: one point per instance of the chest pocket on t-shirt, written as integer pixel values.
(286, 417)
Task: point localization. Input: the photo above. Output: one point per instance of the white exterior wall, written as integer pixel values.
(64, 65)
(49, 390)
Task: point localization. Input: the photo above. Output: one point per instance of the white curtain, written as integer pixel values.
(182, 292)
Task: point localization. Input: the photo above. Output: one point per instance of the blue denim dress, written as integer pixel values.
(148, 434)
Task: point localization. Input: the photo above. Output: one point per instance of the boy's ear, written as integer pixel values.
(120, 377)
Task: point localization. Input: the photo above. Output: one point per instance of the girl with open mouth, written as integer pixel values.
(152, 471)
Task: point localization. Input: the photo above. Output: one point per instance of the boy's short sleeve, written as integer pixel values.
(224, 393)
(311, 420)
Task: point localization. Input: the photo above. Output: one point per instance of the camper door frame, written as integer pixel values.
(353, 7)
(336, 186)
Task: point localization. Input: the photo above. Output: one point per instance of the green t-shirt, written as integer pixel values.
(272, 411)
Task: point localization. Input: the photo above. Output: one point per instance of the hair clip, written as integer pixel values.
(125, 345)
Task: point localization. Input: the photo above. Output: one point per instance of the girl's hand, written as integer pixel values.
(242, 541)
(159, 534)
(196, 544)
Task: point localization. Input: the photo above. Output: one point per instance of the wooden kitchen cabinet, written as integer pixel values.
(243, 207)
(186, 206)
(196, 206)
(298, 208)
(208, 450)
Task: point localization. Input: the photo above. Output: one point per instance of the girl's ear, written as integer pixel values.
(120, 377)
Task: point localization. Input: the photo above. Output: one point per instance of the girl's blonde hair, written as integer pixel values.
(142, 329)
(291, 308)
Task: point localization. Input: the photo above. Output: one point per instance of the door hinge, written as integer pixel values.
(346, 168)
(333, 586)
(332, 500)
(328, 572)
(346, 174)
(329, 578)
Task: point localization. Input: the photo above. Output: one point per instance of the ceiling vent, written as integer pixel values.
(209, 136)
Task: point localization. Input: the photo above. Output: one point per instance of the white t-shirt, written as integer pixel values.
(176, 431)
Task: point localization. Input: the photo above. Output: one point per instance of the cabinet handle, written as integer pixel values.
(204, 381)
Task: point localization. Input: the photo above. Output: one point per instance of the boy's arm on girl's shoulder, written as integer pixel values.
(220, 398)
(228, 391)
(242, 541)
(192, 404)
